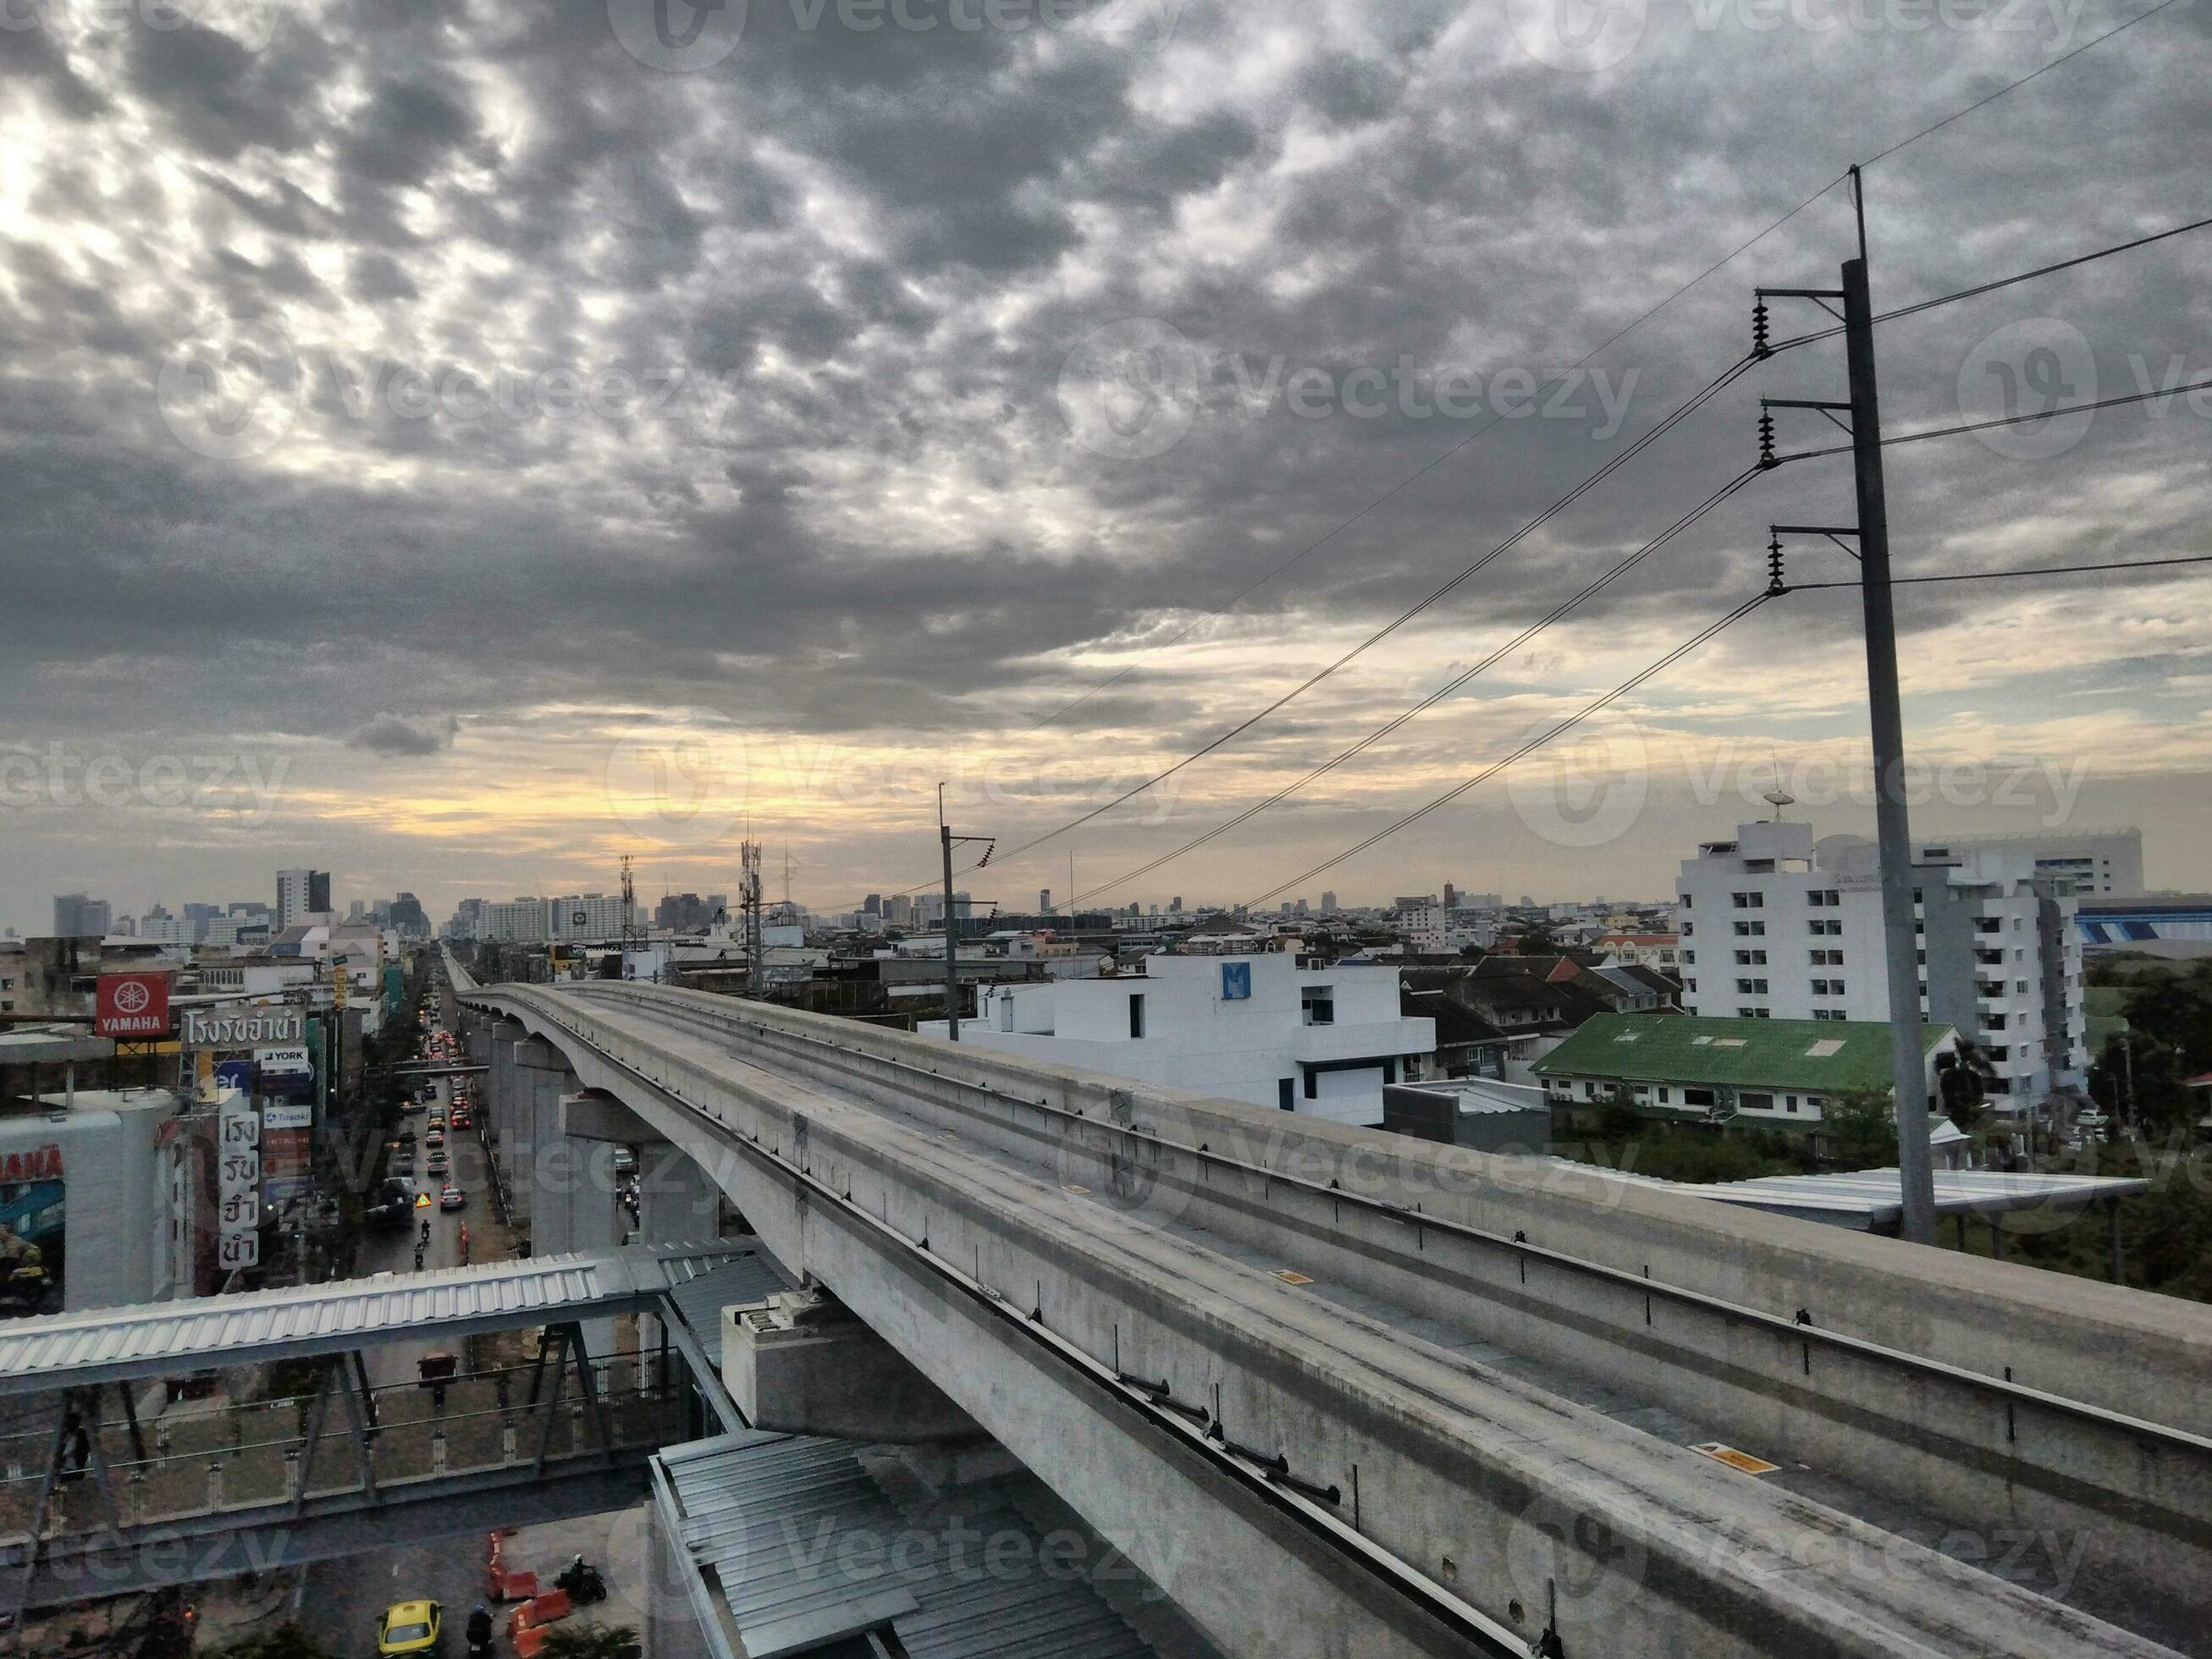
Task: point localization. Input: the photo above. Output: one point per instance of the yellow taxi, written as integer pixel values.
(409, 1627)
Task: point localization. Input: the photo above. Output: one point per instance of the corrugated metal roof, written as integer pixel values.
(800, 1544)
(752, 1276)
(160, 1338)
(1801, 1053)
(1864, 1199)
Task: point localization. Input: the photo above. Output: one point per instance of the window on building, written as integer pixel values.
(1755, 1103)
(1789, 1102)
(1319, 1003)
(1751, 930)
(1749, 901)
(1689, 955)
(1663, 1095)
(1286, 1089)
(1136, 1013)
(1690, 985)
(1689, 930)
(1688, 899)
(1696, 1097)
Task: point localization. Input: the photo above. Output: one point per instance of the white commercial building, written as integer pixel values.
(1262, 1028)
(1774, 926)
(2100, 863)
(93, 1201)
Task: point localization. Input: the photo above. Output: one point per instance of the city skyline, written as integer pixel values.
(839, 529)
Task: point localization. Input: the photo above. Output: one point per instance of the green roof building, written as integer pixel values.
(1778, 1071)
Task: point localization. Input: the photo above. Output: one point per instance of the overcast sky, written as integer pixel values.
(454, 445)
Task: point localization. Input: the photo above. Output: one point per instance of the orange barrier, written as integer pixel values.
(529, 1643)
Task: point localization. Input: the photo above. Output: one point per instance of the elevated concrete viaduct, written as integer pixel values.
(1349, 1395)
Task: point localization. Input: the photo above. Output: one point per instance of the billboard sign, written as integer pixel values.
(1235, 981)
(290, 1061)
(130, 1005)
(33, 1230)
(288, 1143)
(238, 1182)
(244, 1025)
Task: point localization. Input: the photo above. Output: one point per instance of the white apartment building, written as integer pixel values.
(585, 916)
(2100, 863)
(1775, 926)
(1262, 1029)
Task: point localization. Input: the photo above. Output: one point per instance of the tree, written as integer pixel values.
(580, 1642)
(1537, 939)
(1860, 1128)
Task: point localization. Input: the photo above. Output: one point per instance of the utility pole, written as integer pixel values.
(1908, 1059)
(945, 840)
(748, 902)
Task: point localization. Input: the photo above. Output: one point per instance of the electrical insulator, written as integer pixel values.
(1766, 441)
(1774, 584)
(1758, 345)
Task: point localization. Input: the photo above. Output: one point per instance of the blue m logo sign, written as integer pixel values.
(1235, 981)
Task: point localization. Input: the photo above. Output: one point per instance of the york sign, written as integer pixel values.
(242, 1025)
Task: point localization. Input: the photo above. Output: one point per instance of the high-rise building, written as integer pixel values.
(409, 916)
(2100, 863)
(158, 924)
(1776, 926)
(1328, 902)
(299, 894)
(77, 916)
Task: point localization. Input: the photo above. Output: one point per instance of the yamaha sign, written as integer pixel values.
(244, 1025)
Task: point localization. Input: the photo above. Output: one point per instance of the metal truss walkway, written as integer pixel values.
(299, 1458)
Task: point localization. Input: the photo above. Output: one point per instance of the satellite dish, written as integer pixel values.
(1778, 798)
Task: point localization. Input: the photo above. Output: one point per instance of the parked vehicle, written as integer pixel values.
(453, 1198)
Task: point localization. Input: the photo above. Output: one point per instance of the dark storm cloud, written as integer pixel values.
(392, 734)
(871, 254)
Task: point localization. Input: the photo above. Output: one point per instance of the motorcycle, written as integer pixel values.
(479, 1634)
(582, 1582)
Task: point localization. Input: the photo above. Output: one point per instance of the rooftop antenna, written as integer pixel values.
(1778, 797)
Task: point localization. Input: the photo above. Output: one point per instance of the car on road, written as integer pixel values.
(438, 1164)
(625, 1161)
(434, 1136)
(410, 1627)
(453, 1198)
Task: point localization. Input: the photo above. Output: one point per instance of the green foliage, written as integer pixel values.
(1859, 1129)
(285, 1642)
(578, 1642)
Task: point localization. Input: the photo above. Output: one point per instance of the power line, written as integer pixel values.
(1619, 569)
(2003, 281)
(1701, 637)
(2014, 86)
(2005, 420)
(2007, 575)
(1711, 389)
(1239, 597)
(1611, 339)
